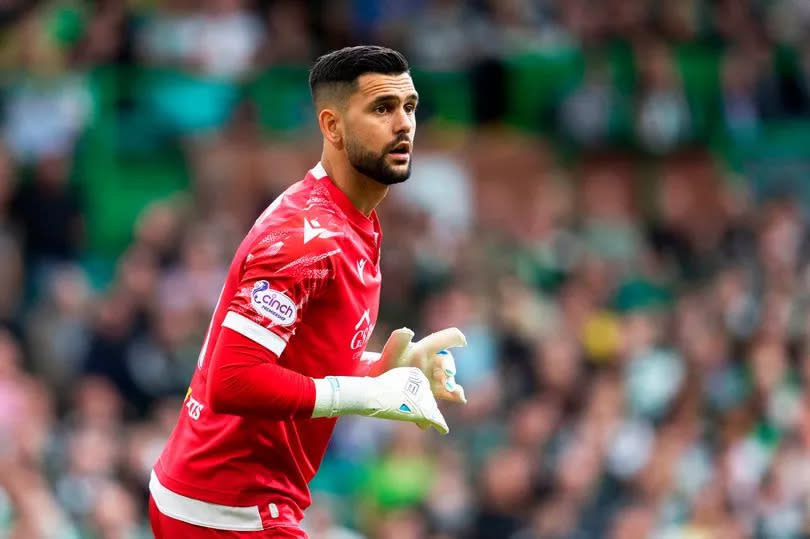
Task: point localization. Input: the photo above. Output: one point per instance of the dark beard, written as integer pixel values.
(374, 166)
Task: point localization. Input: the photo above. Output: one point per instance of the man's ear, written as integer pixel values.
(330, 122)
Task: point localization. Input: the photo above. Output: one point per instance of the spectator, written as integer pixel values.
(58, 335)
(47, 105)
(205, 51)
(663, 119)
(49, 212)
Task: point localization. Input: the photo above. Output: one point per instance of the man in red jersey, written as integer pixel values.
(285, 351)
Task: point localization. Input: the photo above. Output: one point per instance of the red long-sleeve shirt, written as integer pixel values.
(300, 302)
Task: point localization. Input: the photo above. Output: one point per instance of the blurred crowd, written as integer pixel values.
(635, 293)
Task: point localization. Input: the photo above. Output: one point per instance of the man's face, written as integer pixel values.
(380, 125)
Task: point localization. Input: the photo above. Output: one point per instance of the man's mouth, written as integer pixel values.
(403, 149)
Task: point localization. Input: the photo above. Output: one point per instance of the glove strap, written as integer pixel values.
(341, 395)
(327, 397)
(335, 383)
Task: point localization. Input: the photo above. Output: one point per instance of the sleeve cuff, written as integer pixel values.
(255, 332)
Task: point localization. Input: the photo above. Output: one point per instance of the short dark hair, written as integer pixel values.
(342, 67)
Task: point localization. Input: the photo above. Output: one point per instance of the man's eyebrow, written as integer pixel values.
(393, 97)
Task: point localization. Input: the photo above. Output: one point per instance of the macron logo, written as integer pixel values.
(365, 318)
(313, 229)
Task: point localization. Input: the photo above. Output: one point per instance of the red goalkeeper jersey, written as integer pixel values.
(304, 284)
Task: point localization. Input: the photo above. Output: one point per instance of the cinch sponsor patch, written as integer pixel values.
(273, 304)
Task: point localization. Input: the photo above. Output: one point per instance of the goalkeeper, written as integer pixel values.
(284, 354)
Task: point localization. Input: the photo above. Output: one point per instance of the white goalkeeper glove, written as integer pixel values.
(431, 356)
(402, 394)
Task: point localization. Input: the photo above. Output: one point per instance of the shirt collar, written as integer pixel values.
(352, 213)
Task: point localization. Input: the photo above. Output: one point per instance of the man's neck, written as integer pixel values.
(363, 192)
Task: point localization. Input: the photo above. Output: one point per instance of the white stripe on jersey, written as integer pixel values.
(200, 513)
(255, 332)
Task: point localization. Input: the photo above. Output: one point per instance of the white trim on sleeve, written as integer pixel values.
(255, 332)
(200, 513)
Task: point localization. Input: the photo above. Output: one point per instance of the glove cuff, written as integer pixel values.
(327, 397)
(341, 395)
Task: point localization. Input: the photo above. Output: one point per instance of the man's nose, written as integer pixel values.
(403, 122)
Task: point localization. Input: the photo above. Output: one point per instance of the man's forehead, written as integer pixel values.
(370, 85)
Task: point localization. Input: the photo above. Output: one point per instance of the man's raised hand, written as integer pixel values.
(431, 355)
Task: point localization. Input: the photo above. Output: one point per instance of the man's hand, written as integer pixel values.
(431, 356)
(401, 394)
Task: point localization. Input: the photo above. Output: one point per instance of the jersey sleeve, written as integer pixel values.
(279, 280)
(244, 382)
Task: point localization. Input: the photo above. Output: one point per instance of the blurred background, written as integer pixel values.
(608, 197)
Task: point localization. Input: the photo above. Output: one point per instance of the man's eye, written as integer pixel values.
(381, 109)
(410, 108)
